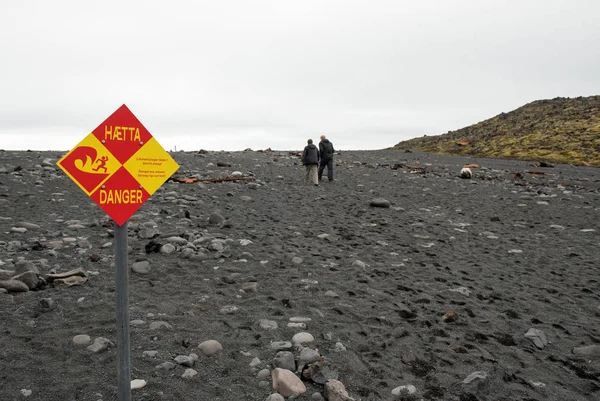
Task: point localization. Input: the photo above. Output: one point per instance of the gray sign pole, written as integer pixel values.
(122, 283)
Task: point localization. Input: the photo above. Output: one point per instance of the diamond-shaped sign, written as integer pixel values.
(119, 165)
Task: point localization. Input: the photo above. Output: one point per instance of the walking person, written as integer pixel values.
(310, 159)
(327, 151)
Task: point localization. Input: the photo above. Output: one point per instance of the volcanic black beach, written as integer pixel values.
(435, 292)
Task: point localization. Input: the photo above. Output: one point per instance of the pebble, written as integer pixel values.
(25, 392)
(267, 324)
(292, 325)
(462, 290)
(515, 251)
(263, 374)
(309, 355)
(475, 376)
(250, 287)
(317, 397)
(332, 294)
(184, 360)
(82, 339)
(588, 350)
(537, 337)
(255, 362)
(339, 347)
(380, 202)
(285, 360)
(138, 384)
(210, 347)
(19, 230)
(360, 264)
(189, 374)
(336, 391)
(141, 267)
(229, 309)
(287, 383)
(165, 366)
(14, 286)
(279, 345)
(29, 226)
(406, 389)
(296, 260)
(47, 303)
(167, 249)
(150, 354)
(157, 325)
(275, 397)
(302, 337)
(100, 344)
(300, 319)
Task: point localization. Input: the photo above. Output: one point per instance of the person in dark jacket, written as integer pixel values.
(310, 159)
(327, 151)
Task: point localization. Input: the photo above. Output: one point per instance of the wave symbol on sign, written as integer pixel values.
(85, 167)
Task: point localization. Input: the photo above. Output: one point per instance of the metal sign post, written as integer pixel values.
(122, 284)
(119, 165)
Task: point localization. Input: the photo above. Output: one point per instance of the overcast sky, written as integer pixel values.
(273, 73)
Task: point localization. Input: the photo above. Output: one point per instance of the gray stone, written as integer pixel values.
(537, 337)
(339, 347)
(167, 249)
(141, 267)
(404, 390)
(82, 340)
(302, 338)
(275, 397)
(308, 355)
(100, 344)
(150, 354)
(158, 325)
(285, 360)
(250, 287)
(14, 286)
(29, 226)
(18, 230)
(296, 260)
(177, 240)
(279, 345)
(215, 218)
(317, 397)
(47, 303)
(229, 309)
(263, 374)
(189, 374)
(588, 350)
(380, 202)
(184, 360)
(30, 278)
(165, 366)
(267, 324)
(210, 347)
(475, 376)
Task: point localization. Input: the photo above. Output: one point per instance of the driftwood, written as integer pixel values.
(415, 168)
(193, 180)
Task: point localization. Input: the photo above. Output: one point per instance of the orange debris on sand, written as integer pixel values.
(463, 143)
(472, 165)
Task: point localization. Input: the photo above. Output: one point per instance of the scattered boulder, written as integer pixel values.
(336, 391)
(287, 383)
(14, 286)
(380, 202)
(466, 173)
(210, 347)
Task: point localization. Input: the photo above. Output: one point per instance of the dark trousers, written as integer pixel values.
(329, 164)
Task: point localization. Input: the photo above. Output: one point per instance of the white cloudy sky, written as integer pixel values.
(271, 73)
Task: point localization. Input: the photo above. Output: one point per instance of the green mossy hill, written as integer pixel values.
(561, 130)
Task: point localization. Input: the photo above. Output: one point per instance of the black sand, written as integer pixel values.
(517, 247)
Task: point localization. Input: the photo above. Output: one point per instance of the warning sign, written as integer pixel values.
(119, 165)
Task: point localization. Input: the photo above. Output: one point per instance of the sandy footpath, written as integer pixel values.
(460, 289)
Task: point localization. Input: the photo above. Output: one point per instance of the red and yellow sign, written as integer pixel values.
(119, 165)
